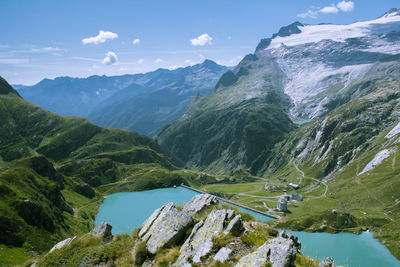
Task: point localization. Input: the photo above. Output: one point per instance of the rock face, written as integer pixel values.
(199, 243)
(62, 243)
(103, 230)
(223, 254)
(165, 227)
(235, 226)
(280, 251)
(328, 262)
(199, 202)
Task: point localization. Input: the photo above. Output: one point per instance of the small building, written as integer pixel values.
(282, 205)
(296, 197)
(295, 186)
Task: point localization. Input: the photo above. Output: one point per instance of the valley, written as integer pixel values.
(305, 129)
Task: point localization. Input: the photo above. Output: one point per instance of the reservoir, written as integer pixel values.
(128, 210)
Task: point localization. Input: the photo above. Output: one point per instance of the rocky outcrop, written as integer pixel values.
(199, 243)
(223, 254)
(235, 226)
(280, 252)
(165, 227)
(199, 202)
(103, 230)
(62, 243)
(327, 262)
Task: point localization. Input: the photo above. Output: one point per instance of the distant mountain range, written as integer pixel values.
(139, 102)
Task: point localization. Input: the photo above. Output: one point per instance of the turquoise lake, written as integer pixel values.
(128, 210)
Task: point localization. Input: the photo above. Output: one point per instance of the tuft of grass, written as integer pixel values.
(141, 253)
(166, 257)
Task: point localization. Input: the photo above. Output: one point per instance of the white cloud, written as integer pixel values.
(47, 49)
(159, 60)
(229, 37)
(100, 38)
(329, 9)
(332, 9)
(140, 61)
(110, 59)
(136, 41)
(346, 6)
(14, 61)
(188, 62)
(308, 14)
(123, 69)
(201, 40)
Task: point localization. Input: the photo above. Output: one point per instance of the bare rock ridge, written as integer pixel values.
(199, 202)
(165, 227)
(280, 251)
(213, 236)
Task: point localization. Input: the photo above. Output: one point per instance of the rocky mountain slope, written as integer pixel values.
(304, 71)
(139, 102)
(201, 234)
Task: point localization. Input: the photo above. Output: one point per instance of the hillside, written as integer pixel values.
(245, 116)
(52, 170)
(305, 70)
(139, 102)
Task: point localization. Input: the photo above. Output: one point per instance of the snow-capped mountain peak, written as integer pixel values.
(339, 33)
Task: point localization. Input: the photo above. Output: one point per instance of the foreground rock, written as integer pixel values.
(199, 202)
(328, 262)
(103, 230)
(280, 252)
(165, 227)
(199, 243)
(223, 254)
(62, 243)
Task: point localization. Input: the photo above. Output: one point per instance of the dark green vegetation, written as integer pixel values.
(54, 172)
(229, 130)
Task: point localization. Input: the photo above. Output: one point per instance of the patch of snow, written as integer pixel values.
(394, 131)
(319, 132)
(379, 157)
(338, 33)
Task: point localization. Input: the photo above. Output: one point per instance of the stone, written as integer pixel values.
(280, 252)
(199, 202)
(103, 230)
(199, 243)
(235, 226)
(62, 243)
(327, 262)
(165, 227)
(223, 254)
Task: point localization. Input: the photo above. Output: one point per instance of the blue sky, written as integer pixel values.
(45, 38)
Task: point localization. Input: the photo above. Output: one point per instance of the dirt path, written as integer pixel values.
(312, 188)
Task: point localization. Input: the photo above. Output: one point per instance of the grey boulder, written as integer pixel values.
(280, 252)
(103, 230)
(165, 227)
(62, 243)
(327, 262)
(199, 202)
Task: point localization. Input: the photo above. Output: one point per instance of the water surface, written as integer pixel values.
(128, 210)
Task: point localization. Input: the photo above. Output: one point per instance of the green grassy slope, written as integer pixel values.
(335, 150)
(241, 120)
(51, 168)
